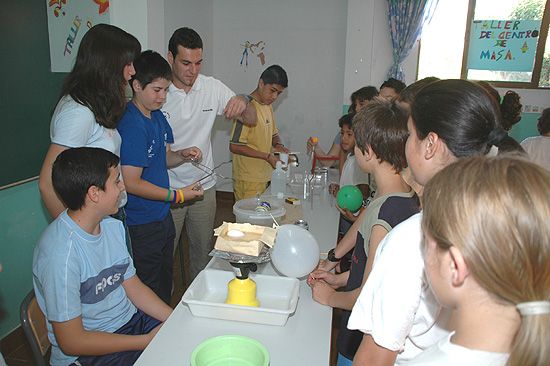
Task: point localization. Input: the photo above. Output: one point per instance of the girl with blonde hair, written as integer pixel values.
(486, 253)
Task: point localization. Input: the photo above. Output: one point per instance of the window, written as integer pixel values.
(504, 42)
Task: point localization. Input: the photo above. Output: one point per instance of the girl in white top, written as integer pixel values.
(450, 119)
(92, 101)
(486, 252)
(538, 147)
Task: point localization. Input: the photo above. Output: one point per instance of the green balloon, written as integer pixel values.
(350, 197)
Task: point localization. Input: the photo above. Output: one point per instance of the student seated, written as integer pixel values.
(486, 253)
(98, 311)
(380, 132)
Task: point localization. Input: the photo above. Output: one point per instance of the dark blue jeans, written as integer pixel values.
(121, 215)
(140, 323)
(153, 247)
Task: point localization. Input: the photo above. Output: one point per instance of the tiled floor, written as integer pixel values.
(17, 352)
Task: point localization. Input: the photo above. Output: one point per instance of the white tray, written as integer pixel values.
(278, 298)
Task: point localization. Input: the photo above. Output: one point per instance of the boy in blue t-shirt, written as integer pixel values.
(145, 157)
(83, 275)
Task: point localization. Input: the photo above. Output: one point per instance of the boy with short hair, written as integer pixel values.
(391, 88)
(145, 156)
(253, 160)
(351, 174)
(380, 134)
(83, 275)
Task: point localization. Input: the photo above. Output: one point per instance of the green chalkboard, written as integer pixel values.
(28, 90)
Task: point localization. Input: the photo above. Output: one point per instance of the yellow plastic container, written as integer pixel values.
(242, 292)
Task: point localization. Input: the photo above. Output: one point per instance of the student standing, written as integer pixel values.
(92, 101)
(486, 254)
(253, 160)
(538, 147)
(380, 131)
(396, 311)
(192, 104)
(145, 157)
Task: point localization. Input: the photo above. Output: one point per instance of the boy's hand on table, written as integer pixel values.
(321, 292)
(330, 278)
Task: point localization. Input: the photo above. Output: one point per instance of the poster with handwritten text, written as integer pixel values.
(68, 20)
(503, 45)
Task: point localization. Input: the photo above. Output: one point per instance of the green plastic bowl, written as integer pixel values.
(230, 350)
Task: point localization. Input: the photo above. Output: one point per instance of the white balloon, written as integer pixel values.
(296, 252)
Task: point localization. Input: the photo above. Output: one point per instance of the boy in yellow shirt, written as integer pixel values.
(253, 147)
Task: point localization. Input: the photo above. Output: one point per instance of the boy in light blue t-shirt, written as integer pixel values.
(84, 278)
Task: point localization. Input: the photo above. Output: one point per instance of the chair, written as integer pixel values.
(33, 322)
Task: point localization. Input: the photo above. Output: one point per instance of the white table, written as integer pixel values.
(304, 340)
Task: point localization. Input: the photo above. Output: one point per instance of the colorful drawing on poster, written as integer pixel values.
(68, 21)
(503, 45)
(103, 5)
(57, 7)
(256, 49)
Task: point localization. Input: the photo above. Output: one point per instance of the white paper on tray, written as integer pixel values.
(251, 243)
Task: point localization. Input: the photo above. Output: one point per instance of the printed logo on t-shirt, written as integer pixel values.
(150, 152)
(96, 288)
(207, 110)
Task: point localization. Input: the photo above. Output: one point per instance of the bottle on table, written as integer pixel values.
(278, 181)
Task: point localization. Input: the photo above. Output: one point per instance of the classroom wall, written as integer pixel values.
(22, 220)
(197, 15)
(329, 47)
(309, 45)
(368, 47)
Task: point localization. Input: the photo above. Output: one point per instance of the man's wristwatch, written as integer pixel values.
(331, 257)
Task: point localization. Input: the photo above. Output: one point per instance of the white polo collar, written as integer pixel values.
(196, 86)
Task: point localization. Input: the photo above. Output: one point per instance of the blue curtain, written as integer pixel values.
(406, 18)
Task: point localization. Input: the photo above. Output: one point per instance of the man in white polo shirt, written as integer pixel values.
(191, 107)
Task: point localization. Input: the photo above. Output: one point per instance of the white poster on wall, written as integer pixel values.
(68, 21)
